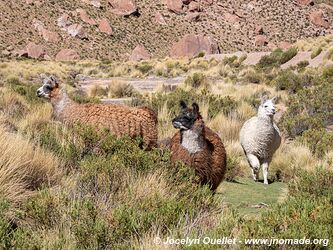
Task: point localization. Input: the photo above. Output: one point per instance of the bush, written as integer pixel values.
(318, 140)
(302, 65)
(118, 89)
(276, 58)
(316, 52)
(288, 80)
(288, 55)
(196, 80)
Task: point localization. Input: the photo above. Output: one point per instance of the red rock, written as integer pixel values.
(207, 2)
(67, 55)
(85, 17)
(34, 51)
(271, 46)
(50, 36)
(105, 27)
(76, 30)
(29, 1)
(63, 21)
(139, 53)
(284, 45)
(95, 3)
(123, 7)
(175, 6)
(231, 18)
(317, 18)
(192, 45)
(305, 2)
(260, 40)
(193, 17)
(259, 30)
(160, 19)
(194, 6)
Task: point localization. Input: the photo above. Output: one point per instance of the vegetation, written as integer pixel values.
(73, 187)
(277, 58)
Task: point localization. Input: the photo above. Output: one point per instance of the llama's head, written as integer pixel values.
(267, 107)
(187, 116)
(49, 88)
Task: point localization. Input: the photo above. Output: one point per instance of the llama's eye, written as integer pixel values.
(266, 106)
(48, 87)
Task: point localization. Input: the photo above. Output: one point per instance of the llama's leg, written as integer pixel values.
(255, 165)
(265, 172)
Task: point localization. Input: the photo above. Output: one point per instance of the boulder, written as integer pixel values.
(63, 21)
(104, 26)
(67, 55)
(187, 1)
(193, 17)
(207, 2)
(38, 25)
(139, 53)
(85, 17)
(175, 6)
(76, 30)
(192, 45)
(50, 36)
(231, 18)
(194, 6)
(259, 30)
(95, 3)
(123, 7)
(34, 51)
(260, 40)
(160, 19)
(317, 18)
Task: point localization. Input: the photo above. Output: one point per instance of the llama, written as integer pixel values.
(120, 120)
(198, 146)
(260, 138)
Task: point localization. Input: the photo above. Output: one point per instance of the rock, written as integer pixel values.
(271, 46)
(76, 30)
(85, 18)
(192, 45)
(259, 30)
(29, 1)
(187, 2)
(38, 25)
(175, 6)
(231, 18)
(193, 17)
(63, 21)
(67, 55)
(104, 26)
(194, 6)
(160, 19)
(317, 18)
(95, 3)
(34, 51)
(139, 53)
(284, 45)
(305, 2)
(207, 2)
(260, 40)
(123, 7)
(50, 36)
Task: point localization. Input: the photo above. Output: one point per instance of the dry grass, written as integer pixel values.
(119, 89)
(24, 167)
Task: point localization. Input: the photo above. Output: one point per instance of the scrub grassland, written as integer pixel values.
(71, 187)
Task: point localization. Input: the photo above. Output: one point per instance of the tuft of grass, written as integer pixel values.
(119, 89)
(315, 52)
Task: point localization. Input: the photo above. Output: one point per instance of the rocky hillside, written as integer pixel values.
(112, 29)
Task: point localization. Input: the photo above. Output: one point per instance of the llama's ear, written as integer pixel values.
(195, 107)
(182, 104)
(54, 81)
(263, 99)
(274, 99)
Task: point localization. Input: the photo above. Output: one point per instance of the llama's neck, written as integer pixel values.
(193, 141)
(60, 103)
(265, 118)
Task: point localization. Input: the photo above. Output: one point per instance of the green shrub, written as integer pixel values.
(302, 65)
(276, 58)
(196, 80)
(316, 52)
(318, 140)
(144, 67)
(233, 168)
(288, 80)
(288, 55)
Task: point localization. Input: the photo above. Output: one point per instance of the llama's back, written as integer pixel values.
(260, 137)
(120, 120)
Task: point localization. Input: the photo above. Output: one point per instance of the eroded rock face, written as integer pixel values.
(305, 2)
(175, 6)
(67, 55)
(139, 53)
(284, 45)
(192, 45)
(123, 7)
(104, 26)
(317, 18)
(193, 17)
(63, 21)
(50, 36)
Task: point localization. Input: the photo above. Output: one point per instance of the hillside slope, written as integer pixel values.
(235, 25)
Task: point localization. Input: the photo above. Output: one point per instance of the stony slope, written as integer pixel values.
(235, 25)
